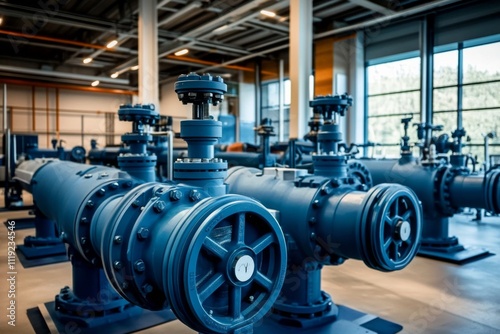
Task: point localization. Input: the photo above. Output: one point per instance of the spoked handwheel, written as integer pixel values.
(227, 266)
(392, 219)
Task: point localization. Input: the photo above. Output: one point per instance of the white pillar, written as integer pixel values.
(356, 114)
(148, 53)
(300, 65)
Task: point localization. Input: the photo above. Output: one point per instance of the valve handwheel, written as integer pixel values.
(227, 265)
(392, 229)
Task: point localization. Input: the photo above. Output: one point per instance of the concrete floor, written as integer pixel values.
(426, 297)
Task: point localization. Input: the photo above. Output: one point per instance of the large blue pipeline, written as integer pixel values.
(219, 260)
(168, 245)
(332, 220)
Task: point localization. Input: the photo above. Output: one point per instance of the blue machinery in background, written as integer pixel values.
(219, 260)
(444, 190)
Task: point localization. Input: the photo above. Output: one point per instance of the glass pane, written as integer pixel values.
(265, 94)
(446, 68)
(494, 152)
(273, 97)
(272, 114)
(477, 123)
(448, 120)
(389, 130)
(482, 63)
(398, 103)
(481, 96)
(288, 90)
(394, 76)
(445, 99)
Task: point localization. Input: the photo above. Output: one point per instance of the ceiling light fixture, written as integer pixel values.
(135, 68)
(1, 20)
(268, 13)
(181, 52)
(95, 83)
(220, 29)
(87, 60)
(115, 75)
(112, 44)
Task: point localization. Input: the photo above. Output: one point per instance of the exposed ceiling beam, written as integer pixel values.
(217, 65)
(59, 17)
(162, 3)
(274, 27)
(254, 55)
(403, 13)
(173, 18)
(373, 6)
(265, 45)
(222, 46)
(326, 4)
(336, 10)
(221, 20)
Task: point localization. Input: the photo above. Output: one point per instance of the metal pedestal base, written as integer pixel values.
(42, 255)
(348, 321)
(138, 319)
(450, 250)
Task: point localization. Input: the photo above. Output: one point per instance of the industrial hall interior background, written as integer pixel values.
(250, 166)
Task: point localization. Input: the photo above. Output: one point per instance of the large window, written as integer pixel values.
(270, 106)
(478, 90)
(393, 90)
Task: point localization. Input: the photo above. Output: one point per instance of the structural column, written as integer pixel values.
(148, 53)
(426, 70)
(300, 65)
(357, 127)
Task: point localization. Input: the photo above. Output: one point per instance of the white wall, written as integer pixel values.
(81, 115)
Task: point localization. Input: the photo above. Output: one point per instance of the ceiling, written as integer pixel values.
(48, 40)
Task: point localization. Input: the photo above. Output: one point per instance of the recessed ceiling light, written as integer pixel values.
(87, 60)
(135, 68)
(95, 83)
(112, 44)
(115, 75)
(268, 13)
(181, 52)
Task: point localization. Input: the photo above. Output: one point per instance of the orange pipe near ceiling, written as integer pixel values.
(69, 87)
(54, 39)
(206, 62)
(33, 115)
